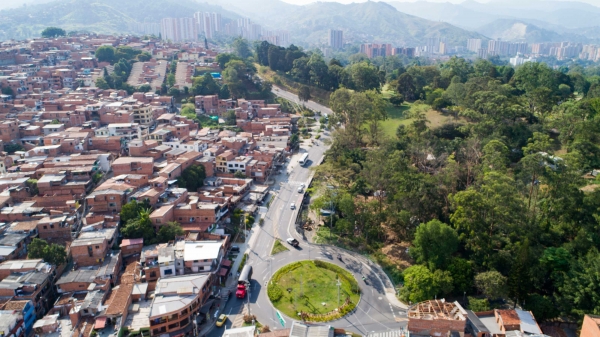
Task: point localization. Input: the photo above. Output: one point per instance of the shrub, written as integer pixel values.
(265, 329)
(244, 258)
(249, 318)
(477, 305)
(275, 293)
(317, 136)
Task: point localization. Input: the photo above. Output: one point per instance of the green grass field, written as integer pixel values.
(304, 286)
(400, 115)
(278, 247)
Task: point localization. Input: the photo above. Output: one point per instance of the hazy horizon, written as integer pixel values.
(304, 2)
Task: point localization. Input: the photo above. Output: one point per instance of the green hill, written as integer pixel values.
(100, 16)
(517, 30)
(367, 21)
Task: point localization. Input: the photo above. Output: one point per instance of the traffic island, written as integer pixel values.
(313, 291)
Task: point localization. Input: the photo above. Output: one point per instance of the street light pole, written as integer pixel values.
(338, 285)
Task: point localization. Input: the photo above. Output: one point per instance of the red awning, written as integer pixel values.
(226, 263)
(100, 323)
(223, 272)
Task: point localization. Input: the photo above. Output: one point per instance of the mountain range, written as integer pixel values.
(530, 21)
(100, 16)
(399, 23)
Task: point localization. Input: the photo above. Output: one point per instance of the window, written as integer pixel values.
(45, 227)
(153, 274)
(168, 271)
(51, 226)
(97, 247)
(112, 198)
(195, 261)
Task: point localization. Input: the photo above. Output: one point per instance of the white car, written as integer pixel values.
(292, 206)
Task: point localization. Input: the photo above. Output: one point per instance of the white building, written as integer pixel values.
(179, 29)
(202, 256)
(520, 59)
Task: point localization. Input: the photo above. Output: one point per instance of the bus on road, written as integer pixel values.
(304, 159)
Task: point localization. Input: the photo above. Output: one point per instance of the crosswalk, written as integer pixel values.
(238, 321)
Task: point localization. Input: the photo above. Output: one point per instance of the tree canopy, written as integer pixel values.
(54, 254)
(51, 32)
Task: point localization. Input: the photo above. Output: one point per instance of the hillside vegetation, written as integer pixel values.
(485, 184)
(99, 16)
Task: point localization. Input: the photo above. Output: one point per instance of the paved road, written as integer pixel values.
(378, 309)
(294, 98)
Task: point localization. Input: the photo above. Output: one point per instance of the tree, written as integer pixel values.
(239, 175)
(140, 227)
(224, 58)
(420, 284)
(40, 249)
(51, 32)
(364, 76)
(461, 271)
(105, 54)
(102, 84)
(8, 91)
(406, 86)
(241, 48)
(397, 100)
(171, 80)
(188, 110)
(13, 147)
(491, 283)
(192, 178)
(32, 185)
(487, 215)
(434, 244)
(580, 292)
(304, 93)
(230, 117)
(224, 92)
(169, 232)
(479, 304)
(131, 210)
(144, 56)
(495, 156)
(145, 88)
(173, 92)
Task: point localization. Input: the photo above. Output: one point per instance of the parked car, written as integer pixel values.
(235, 249)
(300, 189)
(293, 242)
(292, 206)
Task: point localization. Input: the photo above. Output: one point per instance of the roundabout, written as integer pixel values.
(313, 290)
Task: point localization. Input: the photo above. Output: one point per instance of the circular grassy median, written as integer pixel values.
(311, 287)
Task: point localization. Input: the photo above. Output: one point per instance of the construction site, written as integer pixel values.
(437, 318)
